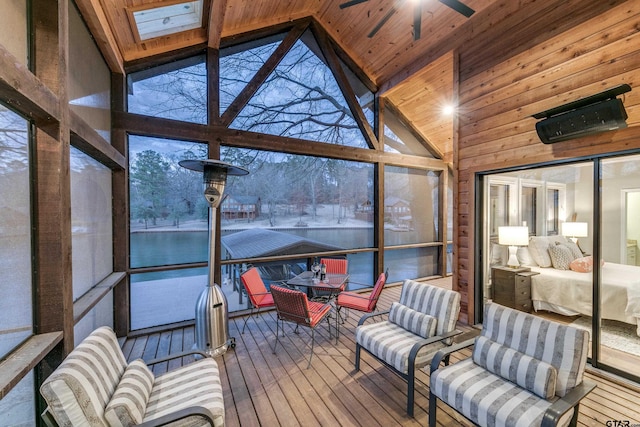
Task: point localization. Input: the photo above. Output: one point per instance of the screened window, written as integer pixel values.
(16, 306)
(169, 215)
(302, 99)
(177, 90)
(89, 78)
(238, 66)
(91, 236)
(411, 206)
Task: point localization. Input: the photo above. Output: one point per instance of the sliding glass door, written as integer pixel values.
(619, 340)
(582, 263)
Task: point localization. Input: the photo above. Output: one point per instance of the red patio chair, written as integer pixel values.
(293, 306)
(334, 266)
(256, 292)
(361, 302)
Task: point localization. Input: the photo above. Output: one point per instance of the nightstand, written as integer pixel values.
(512, 287)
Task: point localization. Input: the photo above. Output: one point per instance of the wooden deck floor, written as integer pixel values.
(266, 389)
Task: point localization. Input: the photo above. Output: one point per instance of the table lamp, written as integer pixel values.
(573, 230)
(513, 237)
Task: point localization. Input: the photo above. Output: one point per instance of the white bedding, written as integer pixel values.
(566, 292)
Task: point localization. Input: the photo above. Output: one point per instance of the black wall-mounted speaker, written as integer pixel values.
(595, 118)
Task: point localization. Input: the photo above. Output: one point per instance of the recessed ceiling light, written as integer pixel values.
(169, 19)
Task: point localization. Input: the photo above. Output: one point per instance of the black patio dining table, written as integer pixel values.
(332, 283)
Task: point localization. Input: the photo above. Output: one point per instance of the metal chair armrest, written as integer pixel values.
(176, 356)
(178, 415)
(417, 346)
(370, 315)
(563, 405)
(441, 354)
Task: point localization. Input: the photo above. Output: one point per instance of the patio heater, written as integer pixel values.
(212, 311)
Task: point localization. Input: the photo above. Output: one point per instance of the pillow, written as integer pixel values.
(499, 254)
(532, 374)
(573, 247)
(582, 265)
(538, 246)
(524, 257)
(129, 402)
(407, 318)
(561, 256)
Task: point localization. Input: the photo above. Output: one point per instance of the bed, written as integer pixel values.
(569, 292)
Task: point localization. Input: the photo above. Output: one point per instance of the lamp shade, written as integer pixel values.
(574, 229)
(513, 236)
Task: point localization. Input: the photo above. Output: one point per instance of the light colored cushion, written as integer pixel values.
(80, 388)
(531, 374)
(443, 304)
(524, 257)
(499, 254)
(412, 320)
(575, 250)
(487, 399)
(538, 246)
(561, 256)
(128, 404)
(562, 346)
(195, 384)
(392, 343)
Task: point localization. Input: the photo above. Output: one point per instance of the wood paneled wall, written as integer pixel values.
(542, 58)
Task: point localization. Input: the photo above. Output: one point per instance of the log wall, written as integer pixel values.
(540, 59)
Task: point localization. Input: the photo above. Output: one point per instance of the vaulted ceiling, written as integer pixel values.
(416, 76)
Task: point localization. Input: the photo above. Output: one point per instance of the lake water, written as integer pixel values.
(169, 296)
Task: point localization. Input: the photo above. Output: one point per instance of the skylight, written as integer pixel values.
(164, 20)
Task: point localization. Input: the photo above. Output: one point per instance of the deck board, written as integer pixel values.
(262, 388)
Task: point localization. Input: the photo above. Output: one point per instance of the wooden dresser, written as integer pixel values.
(512, 287)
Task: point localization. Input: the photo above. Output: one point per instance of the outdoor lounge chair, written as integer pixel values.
(293, 306)
(256, 292)
(524, 371)
(418, 326)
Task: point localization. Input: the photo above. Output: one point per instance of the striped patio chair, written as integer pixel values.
(419, 325)
(524, 371)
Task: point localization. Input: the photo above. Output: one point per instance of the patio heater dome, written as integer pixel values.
(212, 312)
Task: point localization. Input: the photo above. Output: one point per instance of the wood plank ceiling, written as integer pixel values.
(416, 76)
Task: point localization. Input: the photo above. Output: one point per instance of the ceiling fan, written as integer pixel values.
(417, 13)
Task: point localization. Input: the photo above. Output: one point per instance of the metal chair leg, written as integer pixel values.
(313, 340)
(277, 328)
(432, 409)
(246, 319)
(357, 357)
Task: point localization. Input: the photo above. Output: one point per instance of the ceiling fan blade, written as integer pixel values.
(458, 7)
(351, 3)
(417, 20)
(384, 19)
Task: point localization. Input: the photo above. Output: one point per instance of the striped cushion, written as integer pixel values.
(80, 388)
(196, 384)
(392, 343)
(536, 376)
(561, 346)
(443, 304)
(487, 399)
(128, 404)
(412, 320)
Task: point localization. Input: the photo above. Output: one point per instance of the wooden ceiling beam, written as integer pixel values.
(216, 20)
(93, 14)
(263, 73)
(343, 83)
(433, 150)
